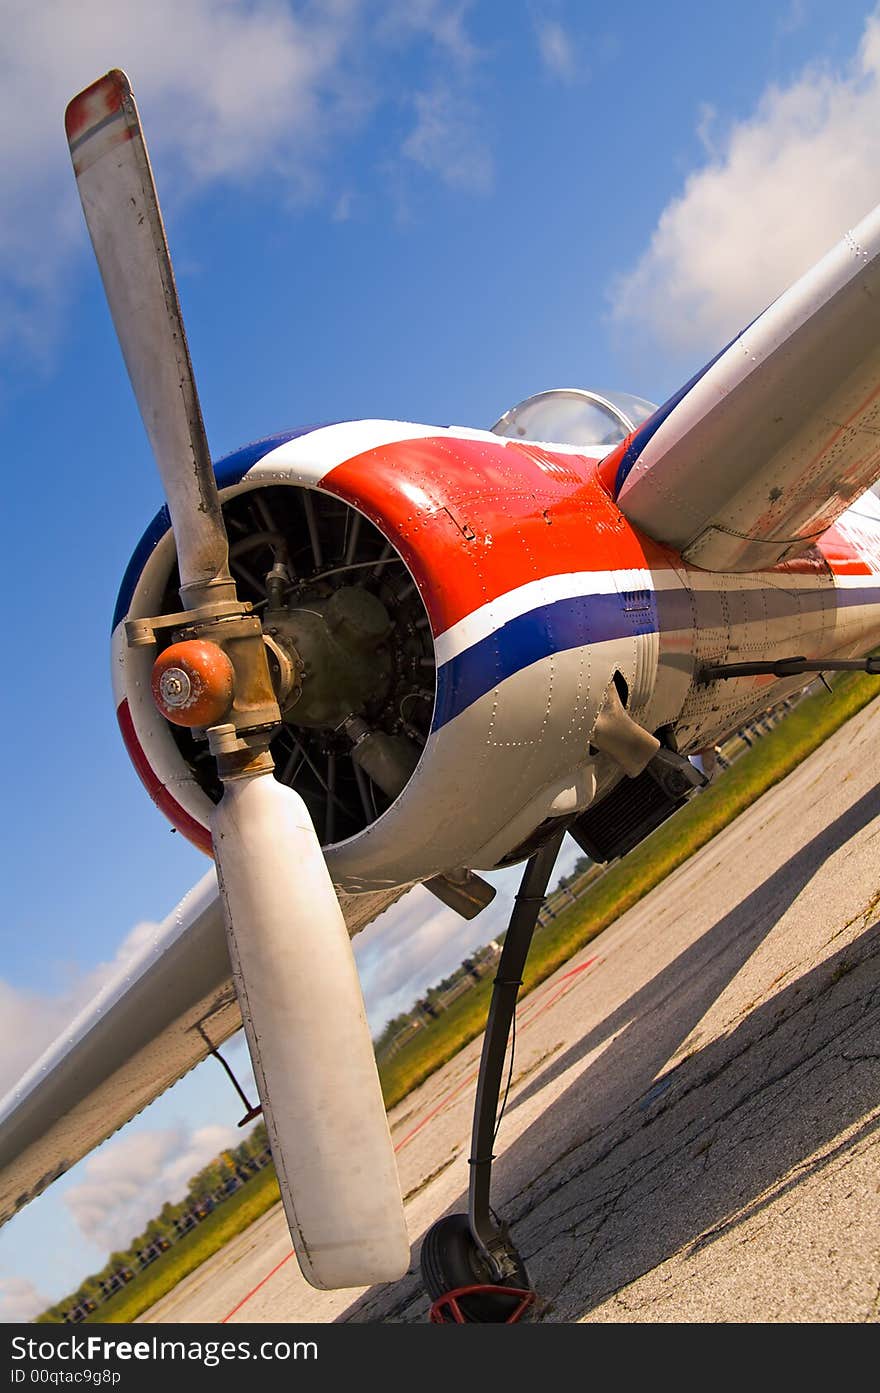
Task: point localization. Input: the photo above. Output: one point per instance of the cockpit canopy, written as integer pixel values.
(571, 416)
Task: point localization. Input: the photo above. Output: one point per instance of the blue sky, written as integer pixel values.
(424, 210)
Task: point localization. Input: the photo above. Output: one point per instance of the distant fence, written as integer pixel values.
(182, 1225)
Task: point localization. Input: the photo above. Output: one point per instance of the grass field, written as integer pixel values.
(774, 756)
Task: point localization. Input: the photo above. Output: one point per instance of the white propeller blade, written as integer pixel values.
(321, 1094)
(125, 224)
(292, 960)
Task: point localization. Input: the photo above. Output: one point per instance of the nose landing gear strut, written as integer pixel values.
(470, 1267)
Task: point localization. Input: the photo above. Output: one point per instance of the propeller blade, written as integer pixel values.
(292, 961)
(309, 1040)
(122, 213)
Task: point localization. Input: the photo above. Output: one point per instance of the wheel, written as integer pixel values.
(451, 1259)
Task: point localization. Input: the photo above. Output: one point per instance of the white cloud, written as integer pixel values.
(229, 90)
(556, 49)
(708, 116)
(20, 1300)
(440, 22)
(780, 189)
(793, 18)
(444, 140)
(126, 1183)
(239, 83)
(30, 1021)
(414, 944)
(342, 208)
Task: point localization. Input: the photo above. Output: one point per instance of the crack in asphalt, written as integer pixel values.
(798, 1057)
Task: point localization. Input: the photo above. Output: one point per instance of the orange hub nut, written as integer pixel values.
(192, 683)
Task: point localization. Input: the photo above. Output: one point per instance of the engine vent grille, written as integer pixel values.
(624, 817)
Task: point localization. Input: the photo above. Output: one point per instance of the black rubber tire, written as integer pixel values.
(451, 1259)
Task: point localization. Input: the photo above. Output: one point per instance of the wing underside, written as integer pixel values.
(766, 447)
(150, 1026)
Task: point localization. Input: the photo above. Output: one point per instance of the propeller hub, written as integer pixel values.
(192, 683)
(340, 648)
(175, 688)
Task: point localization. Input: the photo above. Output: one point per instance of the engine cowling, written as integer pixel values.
(432, 718)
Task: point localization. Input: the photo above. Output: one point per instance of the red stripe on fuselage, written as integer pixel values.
(474, 520)
(842, 555)
(181, 819)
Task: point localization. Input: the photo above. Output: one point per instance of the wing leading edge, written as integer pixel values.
(148, 1027)
(766, 447)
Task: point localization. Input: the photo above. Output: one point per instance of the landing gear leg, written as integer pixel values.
(469, 1264)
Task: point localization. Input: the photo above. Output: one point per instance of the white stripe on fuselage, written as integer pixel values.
(496, 613)
(581, 584)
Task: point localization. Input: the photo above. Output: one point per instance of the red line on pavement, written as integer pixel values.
(255, 1289)
(561, 991)
(563, 987)
(447, 1098)
(532, 1001)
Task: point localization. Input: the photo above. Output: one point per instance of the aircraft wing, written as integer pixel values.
(763, 450)
(147, 1028)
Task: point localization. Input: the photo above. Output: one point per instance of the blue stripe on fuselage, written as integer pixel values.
(585, 619)
(553, 628)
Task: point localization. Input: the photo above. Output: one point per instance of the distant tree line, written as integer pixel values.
(212, 1184)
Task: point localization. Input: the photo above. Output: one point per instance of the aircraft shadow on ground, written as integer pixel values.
(652, 1167)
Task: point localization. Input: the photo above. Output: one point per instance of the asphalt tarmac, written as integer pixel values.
(692, 1131)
